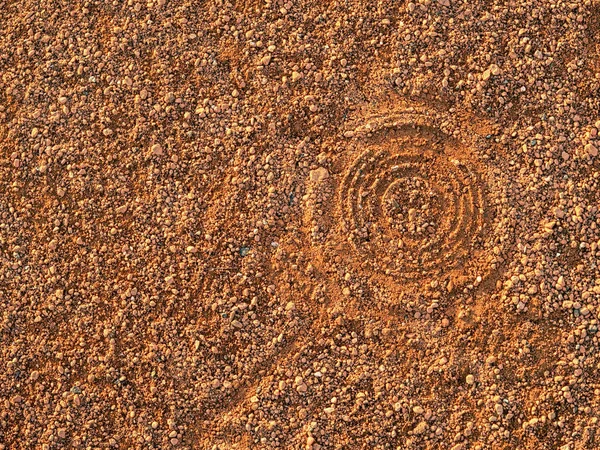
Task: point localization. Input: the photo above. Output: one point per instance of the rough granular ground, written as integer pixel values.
(299, 225)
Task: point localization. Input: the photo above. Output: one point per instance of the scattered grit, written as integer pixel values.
(299, 225)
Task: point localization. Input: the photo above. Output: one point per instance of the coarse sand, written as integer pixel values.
(272, 224)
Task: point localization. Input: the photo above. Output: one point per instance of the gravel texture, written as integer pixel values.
(299, 225)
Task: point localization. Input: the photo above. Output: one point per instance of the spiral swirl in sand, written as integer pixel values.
(411, 211)
(411, 200)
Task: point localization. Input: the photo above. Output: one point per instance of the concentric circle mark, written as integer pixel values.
(410, 211)
(411, 198)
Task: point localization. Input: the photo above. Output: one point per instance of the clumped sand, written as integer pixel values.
(299, 225)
